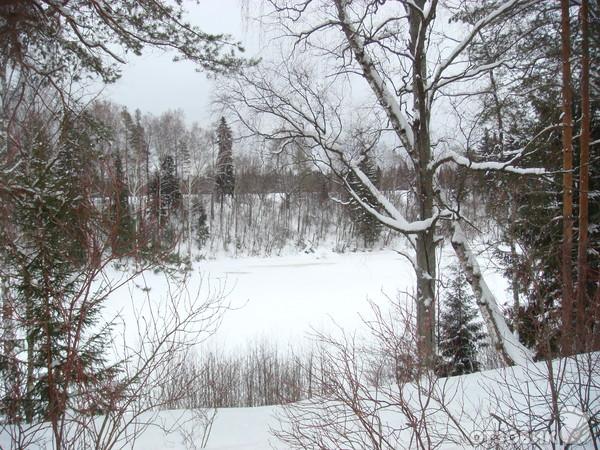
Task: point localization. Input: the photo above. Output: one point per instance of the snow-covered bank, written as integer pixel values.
(503, 408)
(280, 299)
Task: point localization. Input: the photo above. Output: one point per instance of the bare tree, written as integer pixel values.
(552, 404)
(395, 50)
(375, 393)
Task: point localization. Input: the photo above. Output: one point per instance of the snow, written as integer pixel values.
(479, 400)
(449, 155)
(282, 298)
(233, 428)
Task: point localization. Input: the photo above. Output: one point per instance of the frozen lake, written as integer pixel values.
(281, 299)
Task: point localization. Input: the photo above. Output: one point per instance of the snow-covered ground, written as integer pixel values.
(494, 409)
(282, 299)
(479, 402)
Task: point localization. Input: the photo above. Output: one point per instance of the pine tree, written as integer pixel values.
(225, 177)
(366, 225)
(170, 193)
(460, 334)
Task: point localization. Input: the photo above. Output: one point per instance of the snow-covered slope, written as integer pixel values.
(484, 405)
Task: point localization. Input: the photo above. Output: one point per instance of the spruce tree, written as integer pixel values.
(170, 193)
(367, 227)
(123, 235)
(200, 223)
(460, 334)
(49, 266)
(224, 177)
(165, 200)
(164, 189)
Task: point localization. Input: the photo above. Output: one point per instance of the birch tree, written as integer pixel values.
(402, 54)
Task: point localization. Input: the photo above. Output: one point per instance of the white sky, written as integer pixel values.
(154, 83)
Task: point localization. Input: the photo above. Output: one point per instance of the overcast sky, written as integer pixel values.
(154, 83)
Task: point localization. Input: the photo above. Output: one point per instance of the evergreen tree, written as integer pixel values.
(73, 178)
(164, 189)
(123, 235)
(367, 226)
(225, 177)
(525, 101)
(170, 193)
(200, 224)
(165, 199)
(84, 38)
(49, 266)
(140, 147)
(460, 334)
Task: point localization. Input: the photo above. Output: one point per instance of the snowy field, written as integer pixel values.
(477, 400)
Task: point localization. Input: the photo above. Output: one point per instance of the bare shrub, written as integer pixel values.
(376, 392)
(165, 332)
(258, 375)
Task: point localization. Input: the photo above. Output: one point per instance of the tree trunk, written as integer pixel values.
(513, 256)
(425, 244)
(30, 341)
(583, 323)
(190, 215)
(506, 344)
(10, 369)
(426, 296)
(567, 136)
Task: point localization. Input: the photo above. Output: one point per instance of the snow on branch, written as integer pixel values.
(502, 339)
(424, 12)
(395, 219)
(386, 97)
(508, 166)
